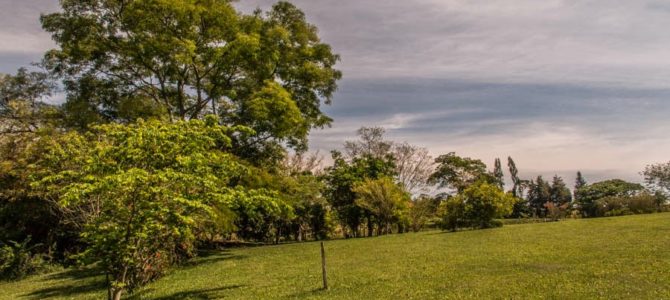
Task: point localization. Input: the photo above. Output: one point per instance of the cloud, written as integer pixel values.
(560, 85)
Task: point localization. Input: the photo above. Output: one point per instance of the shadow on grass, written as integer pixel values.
(210, 257)
(201, 294)
(81, 281)
(68, 291)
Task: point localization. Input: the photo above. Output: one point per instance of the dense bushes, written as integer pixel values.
(618, 206)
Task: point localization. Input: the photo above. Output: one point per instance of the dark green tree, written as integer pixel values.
(559, 193)
(588, 195)
(539, 193)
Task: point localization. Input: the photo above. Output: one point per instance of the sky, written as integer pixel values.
(560, 86)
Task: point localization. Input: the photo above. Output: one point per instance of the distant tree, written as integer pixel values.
(476, 207)
(457, 173)
(371, 142)
(559, 192)
(387, 201)
(421, 210)
(588, 195)
(498, 174)
(580, 182)
(657, 177)
(514, 173)
(413, 165)
(539, 193)
(302, 163)
(22, 106)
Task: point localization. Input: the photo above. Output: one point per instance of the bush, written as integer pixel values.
(17, 261)
(621, 206)
(476, 207)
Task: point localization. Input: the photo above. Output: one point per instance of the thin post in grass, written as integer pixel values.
(323, 267)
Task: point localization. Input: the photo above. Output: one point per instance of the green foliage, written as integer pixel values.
(138, 192)
(588, 195)
(340, 180)
(457, 173)
(183, 59)
(17, 260)
(477, 206)
(643, 203)
(21, 107)
(421, 211)
(387, 201)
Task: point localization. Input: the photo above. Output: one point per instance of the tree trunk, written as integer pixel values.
(116, 293)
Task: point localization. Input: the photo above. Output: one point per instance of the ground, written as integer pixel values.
(607, 258)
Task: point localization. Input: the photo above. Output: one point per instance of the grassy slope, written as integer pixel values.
(624, 257)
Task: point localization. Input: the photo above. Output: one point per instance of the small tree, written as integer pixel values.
(476, 207)
(139, 192)
(420, 211)
(387, 201)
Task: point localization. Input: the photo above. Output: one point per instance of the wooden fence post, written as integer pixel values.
(323, 267)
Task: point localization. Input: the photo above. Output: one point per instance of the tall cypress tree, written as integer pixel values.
(498, 174)
(514, 173)
(580, 183)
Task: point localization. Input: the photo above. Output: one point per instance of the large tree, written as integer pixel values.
(182, 59)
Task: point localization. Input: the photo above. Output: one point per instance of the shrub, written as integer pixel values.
(17, 260)
(627, 205)
(476, 207)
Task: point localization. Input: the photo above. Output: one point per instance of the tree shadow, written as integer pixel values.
(200, 294)
(76, 274)
(209, 257)
(68, 291)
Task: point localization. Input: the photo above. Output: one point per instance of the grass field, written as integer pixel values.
(608, 258)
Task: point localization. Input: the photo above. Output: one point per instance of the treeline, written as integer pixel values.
(185, 127)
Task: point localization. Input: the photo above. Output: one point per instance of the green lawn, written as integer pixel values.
(608, 258)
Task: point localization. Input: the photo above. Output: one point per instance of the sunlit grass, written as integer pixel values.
(623, 257)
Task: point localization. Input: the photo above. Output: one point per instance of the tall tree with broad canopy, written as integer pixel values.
(183, 59)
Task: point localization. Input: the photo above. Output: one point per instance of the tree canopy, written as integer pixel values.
(183, 59)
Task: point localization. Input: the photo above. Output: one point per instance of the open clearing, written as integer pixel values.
(622, 257)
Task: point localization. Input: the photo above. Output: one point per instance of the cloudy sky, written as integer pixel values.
(560, 86)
